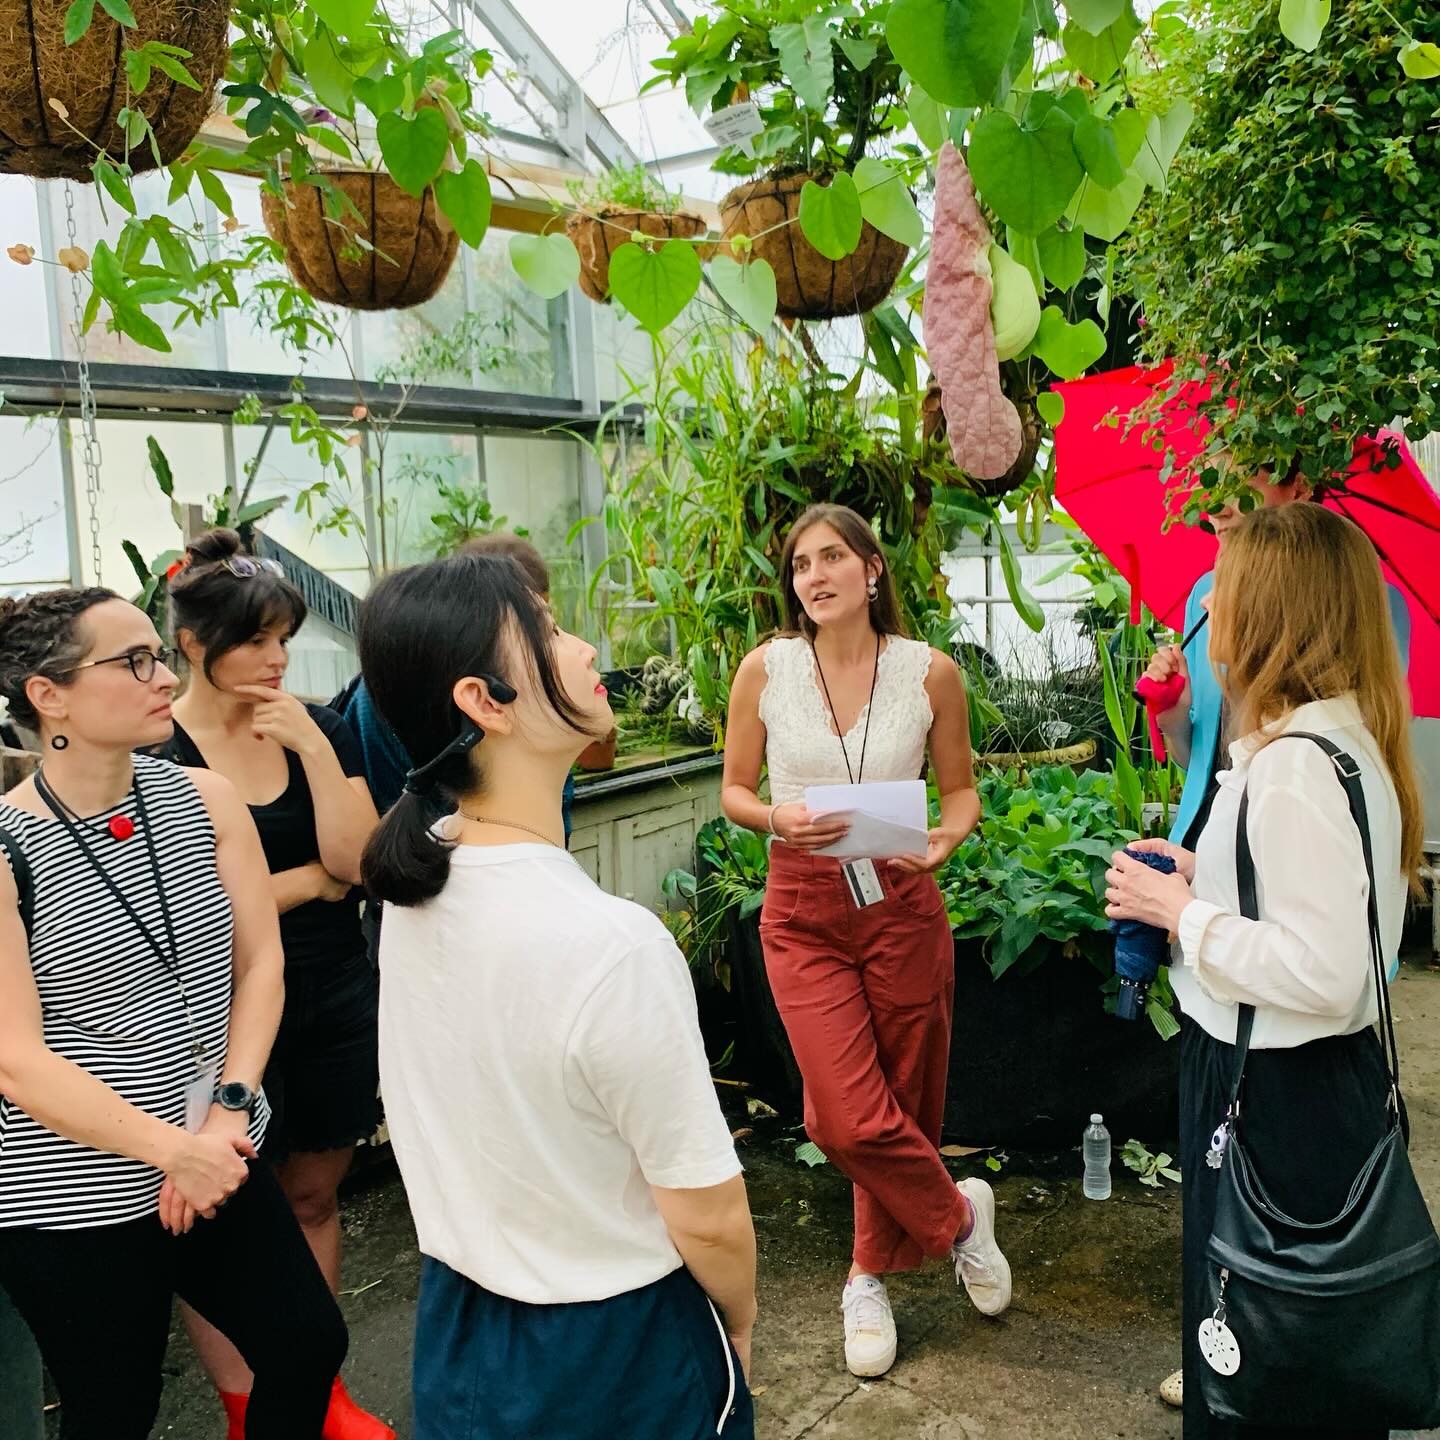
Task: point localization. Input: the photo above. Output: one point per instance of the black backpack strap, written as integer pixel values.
(24, 879)
(1348, 774)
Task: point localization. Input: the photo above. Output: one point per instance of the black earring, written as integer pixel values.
(59, 742)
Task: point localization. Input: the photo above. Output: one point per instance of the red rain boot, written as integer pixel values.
(347, 1421)
(234, 1414)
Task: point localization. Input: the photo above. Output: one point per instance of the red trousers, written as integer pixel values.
(866, 997)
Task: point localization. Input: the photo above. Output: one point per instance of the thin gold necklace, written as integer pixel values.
(511, 825)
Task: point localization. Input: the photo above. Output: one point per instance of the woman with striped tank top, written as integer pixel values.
(140, 990)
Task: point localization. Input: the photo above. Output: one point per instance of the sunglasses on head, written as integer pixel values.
(247, 567)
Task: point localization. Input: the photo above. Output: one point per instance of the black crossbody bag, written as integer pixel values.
(1333, 1324)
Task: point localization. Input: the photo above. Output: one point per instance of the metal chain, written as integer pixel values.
(88, 430)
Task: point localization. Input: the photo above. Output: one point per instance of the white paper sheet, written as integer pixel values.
(887, 818)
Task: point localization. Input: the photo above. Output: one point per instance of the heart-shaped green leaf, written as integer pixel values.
(655, 285)
(806, 58)
(955, 49)
(1099, 151)
(749, 290)
(77, 19)
(1420, 59)
(1099, 56)
(464, 196)
(830, 216)
(1050, 406)
(382, 95)
(860, 53)
(1026, 176)
(344, 17)
(1062, 257)
(1164, 135)
(927, 117)
(413, 150)
(1301, 21)
(1129, 127)
(548, 264)
(886, 203)
(1067, 349)
(332, 82)
(1105, 213)
(1094, 15)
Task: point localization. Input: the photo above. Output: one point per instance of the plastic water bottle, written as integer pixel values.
(1096, 1149)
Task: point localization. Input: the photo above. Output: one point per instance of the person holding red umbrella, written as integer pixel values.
(1193, 726)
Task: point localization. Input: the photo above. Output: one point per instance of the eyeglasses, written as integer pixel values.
(247, 567)
(142, 663)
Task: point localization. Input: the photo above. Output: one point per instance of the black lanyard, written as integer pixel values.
(835, 720)
(170, 961)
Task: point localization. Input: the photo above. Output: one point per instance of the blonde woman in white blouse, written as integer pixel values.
(1299, 622)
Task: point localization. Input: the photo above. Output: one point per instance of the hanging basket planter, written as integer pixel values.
(87, 81)
(408, 245)
(597, 237)
(807, 285)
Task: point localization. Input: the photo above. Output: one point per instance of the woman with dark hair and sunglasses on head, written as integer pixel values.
(140, 990)
(299, 769)
(589, 1265)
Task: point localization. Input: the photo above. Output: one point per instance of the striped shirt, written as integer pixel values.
(108, 1003)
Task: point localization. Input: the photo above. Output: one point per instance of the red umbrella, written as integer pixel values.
(1108, 478)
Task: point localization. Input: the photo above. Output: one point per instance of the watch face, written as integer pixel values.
(235, 1096)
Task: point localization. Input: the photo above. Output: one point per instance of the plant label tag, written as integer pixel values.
(864, 882)
(736, 125)
(1219, 1346)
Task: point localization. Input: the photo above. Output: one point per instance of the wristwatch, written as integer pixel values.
(236, 1095)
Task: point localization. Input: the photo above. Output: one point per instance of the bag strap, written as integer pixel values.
(24, 878)
(1348, 774)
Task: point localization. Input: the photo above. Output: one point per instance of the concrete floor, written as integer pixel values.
(1093, 1329)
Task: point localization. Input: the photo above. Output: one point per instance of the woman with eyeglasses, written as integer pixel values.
(300, 770)
(140, 990)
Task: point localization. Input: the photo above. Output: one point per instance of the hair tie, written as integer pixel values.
(176, 566)
(421, 781)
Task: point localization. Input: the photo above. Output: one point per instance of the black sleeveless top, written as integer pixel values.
(318, 932)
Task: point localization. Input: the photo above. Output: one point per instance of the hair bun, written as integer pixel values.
(213, 546)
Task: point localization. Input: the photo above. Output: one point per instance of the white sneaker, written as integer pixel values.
(979, 1265)
(869, 1327)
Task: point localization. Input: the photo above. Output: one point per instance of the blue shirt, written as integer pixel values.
(1207, 704)
(386, 759)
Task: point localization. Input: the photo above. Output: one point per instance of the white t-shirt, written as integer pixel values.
(1305, 966)
(542, 1067)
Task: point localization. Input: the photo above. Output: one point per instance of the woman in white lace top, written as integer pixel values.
(865, 990)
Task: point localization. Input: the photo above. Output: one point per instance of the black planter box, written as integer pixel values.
(1031, 1055)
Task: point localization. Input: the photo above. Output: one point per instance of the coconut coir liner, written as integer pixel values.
(597, 237)
(414, 244)
(88, 78)
(807, 285)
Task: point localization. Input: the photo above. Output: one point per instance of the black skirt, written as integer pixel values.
(1312, 1115)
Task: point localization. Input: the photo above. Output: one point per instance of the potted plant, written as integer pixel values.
(613, 207)
(1041, 710)
(833, 222)
(380, 229)
(92, 88)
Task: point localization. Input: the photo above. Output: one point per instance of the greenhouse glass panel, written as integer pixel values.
(25, 289)
(533, 484)
(34, 533)
(431, 495)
